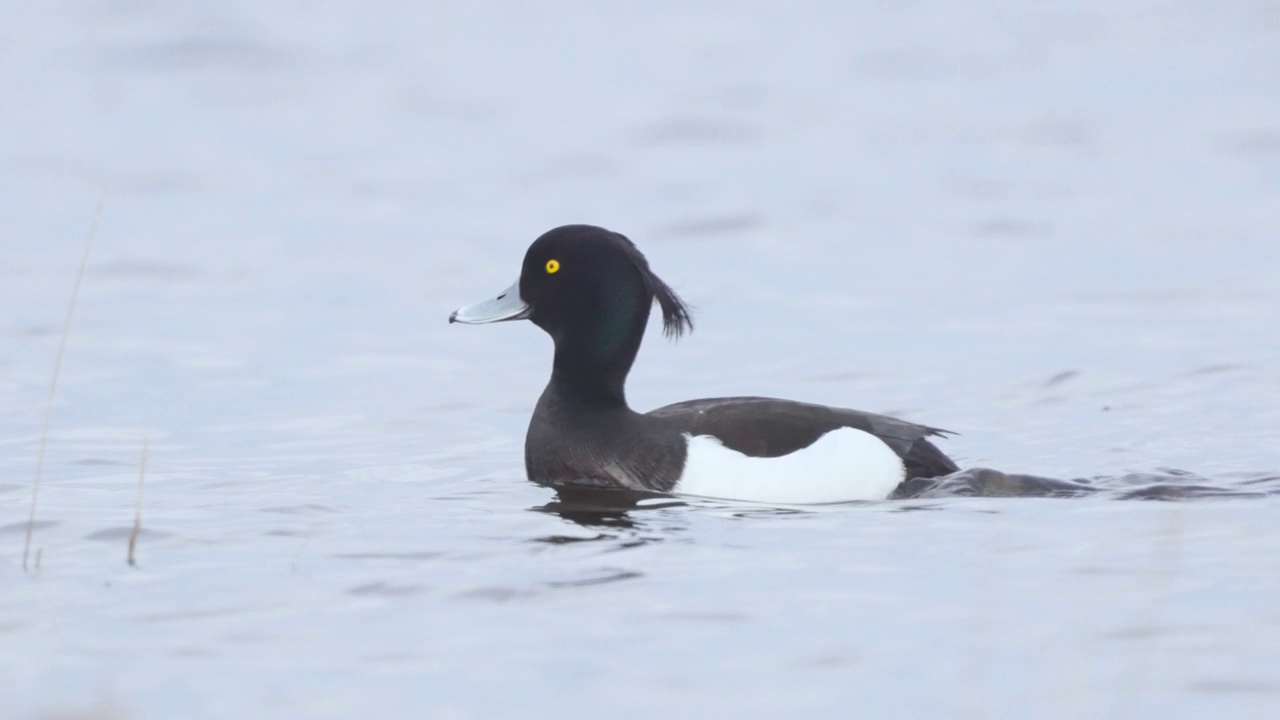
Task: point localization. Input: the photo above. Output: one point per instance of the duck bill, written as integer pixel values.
(507, 306)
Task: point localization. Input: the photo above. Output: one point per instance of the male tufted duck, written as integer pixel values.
(592, 290)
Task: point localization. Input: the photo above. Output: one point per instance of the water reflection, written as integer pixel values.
(1173, 484)
(594, 507)
(620, 517)
(1164, 484)
(985, 482)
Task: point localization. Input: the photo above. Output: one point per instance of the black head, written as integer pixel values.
(591, 285)
(592, 291)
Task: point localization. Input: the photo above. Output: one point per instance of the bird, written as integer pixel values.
(592, 291)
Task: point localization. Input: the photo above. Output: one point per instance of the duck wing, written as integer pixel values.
(768, 427)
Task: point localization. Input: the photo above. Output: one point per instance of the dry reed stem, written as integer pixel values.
(53, 382)
(137, 507)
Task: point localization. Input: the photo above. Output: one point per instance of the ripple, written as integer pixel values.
(387, 590)
(19, 528)
(695, 131)
(123, 533)
(412, 556)
(608, 576)
(1233, 686)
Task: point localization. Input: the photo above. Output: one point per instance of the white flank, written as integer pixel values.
(845, 464)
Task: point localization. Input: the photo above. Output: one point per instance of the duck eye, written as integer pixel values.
(553, 266)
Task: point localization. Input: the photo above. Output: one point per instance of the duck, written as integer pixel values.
(592, 291)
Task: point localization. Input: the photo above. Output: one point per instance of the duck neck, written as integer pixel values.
(591, 380)
(595, 350)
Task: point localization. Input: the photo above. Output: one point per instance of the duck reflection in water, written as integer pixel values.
(598, 507)
(614, 508)
(617, 509)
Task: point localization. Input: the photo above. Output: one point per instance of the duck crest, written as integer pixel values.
(677, 318)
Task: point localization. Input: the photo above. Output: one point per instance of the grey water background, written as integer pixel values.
(1051, 227)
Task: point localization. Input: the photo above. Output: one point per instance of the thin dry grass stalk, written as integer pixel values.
(137, 507)
(53, 382)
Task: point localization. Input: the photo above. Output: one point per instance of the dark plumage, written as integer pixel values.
(592, 290)
(766, 427)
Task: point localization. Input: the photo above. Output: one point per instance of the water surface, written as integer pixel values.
(1050, 228)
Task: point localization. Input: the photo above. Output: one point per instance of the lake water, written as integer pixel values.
(1050, 227)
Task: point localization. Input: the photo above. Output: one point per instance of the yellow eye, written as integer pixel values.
(553, 267)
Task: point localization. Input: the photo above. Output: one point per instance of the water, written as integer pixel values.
(1048, 227)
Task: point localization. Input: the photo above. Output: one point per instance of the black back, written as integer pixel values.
(766, 427)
